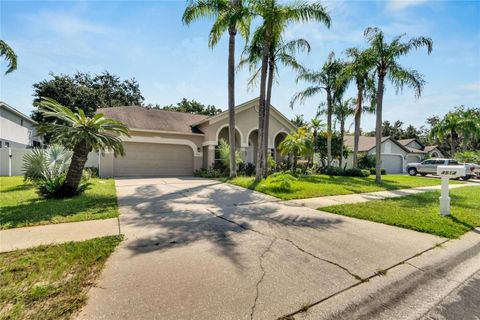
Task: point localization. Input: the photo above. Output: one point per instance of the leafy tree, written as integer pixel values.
(231, 16)
(190, 106)
(327, 80)
(9, 55)
(276, 17)
(336, 147)
(359, 70)
(81, 134)
(385, 56)
(281, 53)
(297, 144)
(85, 92)
(298, 121)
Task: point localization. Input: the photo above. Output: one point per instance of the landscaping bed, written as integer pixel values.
(420, 212)
(287, 187)
(21, 205)
(51, 282)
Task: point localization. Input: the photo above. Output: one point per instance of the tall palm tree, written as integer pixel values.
(342, 110)
(328, 81)
(359, 70)
(81, 134)
(281, 53)
(231, 16)
(276, 17)
(385, 56)
(9, 55)
(454, 126)
(316, 125)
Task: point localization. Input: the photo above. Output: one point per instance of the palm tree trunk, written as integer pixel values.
(74, 174)
(266, 120)
(453, 146)
(261, 110)
(342, 133)
(358, 115)
(231, 100)
(378, 131)
(329, 127)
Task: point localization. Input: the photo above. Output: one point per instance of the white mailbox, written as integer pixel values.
(446, 173)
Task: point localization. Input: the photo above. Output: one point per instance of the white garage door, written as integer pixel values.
(153, 160)
(392, 163)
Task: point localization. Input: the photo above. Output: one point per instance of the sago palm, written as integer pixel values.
(81, 134)
(385, 57)
(326, 80)
(359, 70)
(276, 16)
(9, 55)
(231, 16)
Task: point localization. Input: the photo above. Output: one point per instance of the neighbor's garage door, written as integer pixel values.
(392, 163)
(152, 160)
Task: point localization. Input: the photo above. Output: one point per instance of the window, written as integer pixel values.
(21, 122)
(428, 162)
(440, 162)
(452, 162)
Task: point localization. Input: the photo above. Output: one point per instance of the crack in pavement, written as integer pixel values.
(257, 286)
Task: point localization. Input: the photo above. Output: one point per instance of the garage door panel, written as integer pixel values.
(392, 163)
(149, 159)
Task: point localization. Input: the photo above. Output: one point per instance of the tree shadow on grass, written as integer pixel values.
(38, 211)
(162, 220)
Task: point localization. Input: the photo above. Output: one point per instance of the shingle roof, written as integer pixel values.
(364, 143)
(413, 150)
(406, 141)
(154, 119)
(429, 148)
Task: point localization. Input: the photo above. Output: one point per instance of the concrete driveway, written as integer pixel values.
(200, 249)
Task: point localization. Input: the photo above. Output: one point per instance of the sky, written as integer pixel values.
(146, 40)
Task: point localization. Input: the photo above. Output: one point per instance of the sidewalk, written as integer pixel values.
(22, 238)
(321, 202)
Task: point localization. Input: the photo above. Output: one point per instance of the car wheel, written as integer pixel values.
(465, 178)
(412, 171)
(423, 174)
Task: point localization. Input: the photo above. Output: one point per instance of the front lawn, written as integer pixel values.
(51, 282)
(21, 206)
(319, 185)
(420, 212)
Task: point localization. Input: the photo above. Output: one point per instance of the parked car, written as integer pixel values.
(430, 167)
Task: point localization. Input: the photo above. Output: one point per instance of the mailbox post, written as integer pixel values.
(446, 173)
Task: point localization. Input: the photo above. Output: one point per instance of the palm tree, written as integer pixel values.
(297, 144)
(280, 53)
(276, 17)
(342, 110)
(327, 80)
(455, 126)
(359, 70)
(385, 57)
(316, 125)
(231, 16)
(9, 55)
(81, 134)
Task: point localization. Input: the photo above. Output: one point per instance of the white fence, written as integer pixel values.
(11, 161)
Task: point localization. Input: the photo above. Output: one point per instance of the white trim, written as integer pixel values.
(249, 133)
(167, 132)
(226, 125)
(161, 140)
(276, 134)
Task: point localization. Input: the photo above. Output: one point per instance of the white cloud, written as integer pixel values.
(398, 5)
(473, 86)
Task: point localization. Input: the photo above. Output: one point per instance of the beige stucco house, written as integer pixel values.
(166, 143)
(396, 154)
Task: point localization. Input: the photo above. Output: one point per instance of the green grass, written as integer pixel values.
(320, 185)
(51, 282)
(21, 206)
(420, 212)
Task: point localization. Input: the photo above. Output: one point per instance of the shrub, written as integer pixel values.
(366, 161)
(224, 151)
(271, 163)
(382, 171)
(92, 171)
(357, 172)
(468, 156)
(332, 171)
(246, 169)
(284, 180)
(209, 173)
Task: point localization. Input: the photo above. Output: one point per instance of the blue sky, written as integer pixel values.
(147, 40)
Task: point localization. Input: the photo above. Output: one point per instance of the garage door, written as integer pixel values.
(392, 163)
(153, 160)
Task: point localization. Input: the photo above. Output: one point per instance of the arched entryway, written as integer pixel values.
(278, 139)
(251, 156)
(223, 134)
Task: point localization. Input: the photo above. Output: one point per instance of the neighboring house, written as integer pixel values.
(396, 154)
(16, 129)
(168, 143)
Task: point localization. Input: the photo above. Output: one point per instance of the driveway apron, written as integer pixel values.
(201, 249)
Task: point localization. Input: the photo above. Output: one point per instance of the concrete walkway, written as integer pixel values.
(321, 202)
(23, 238)
(200, 249)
